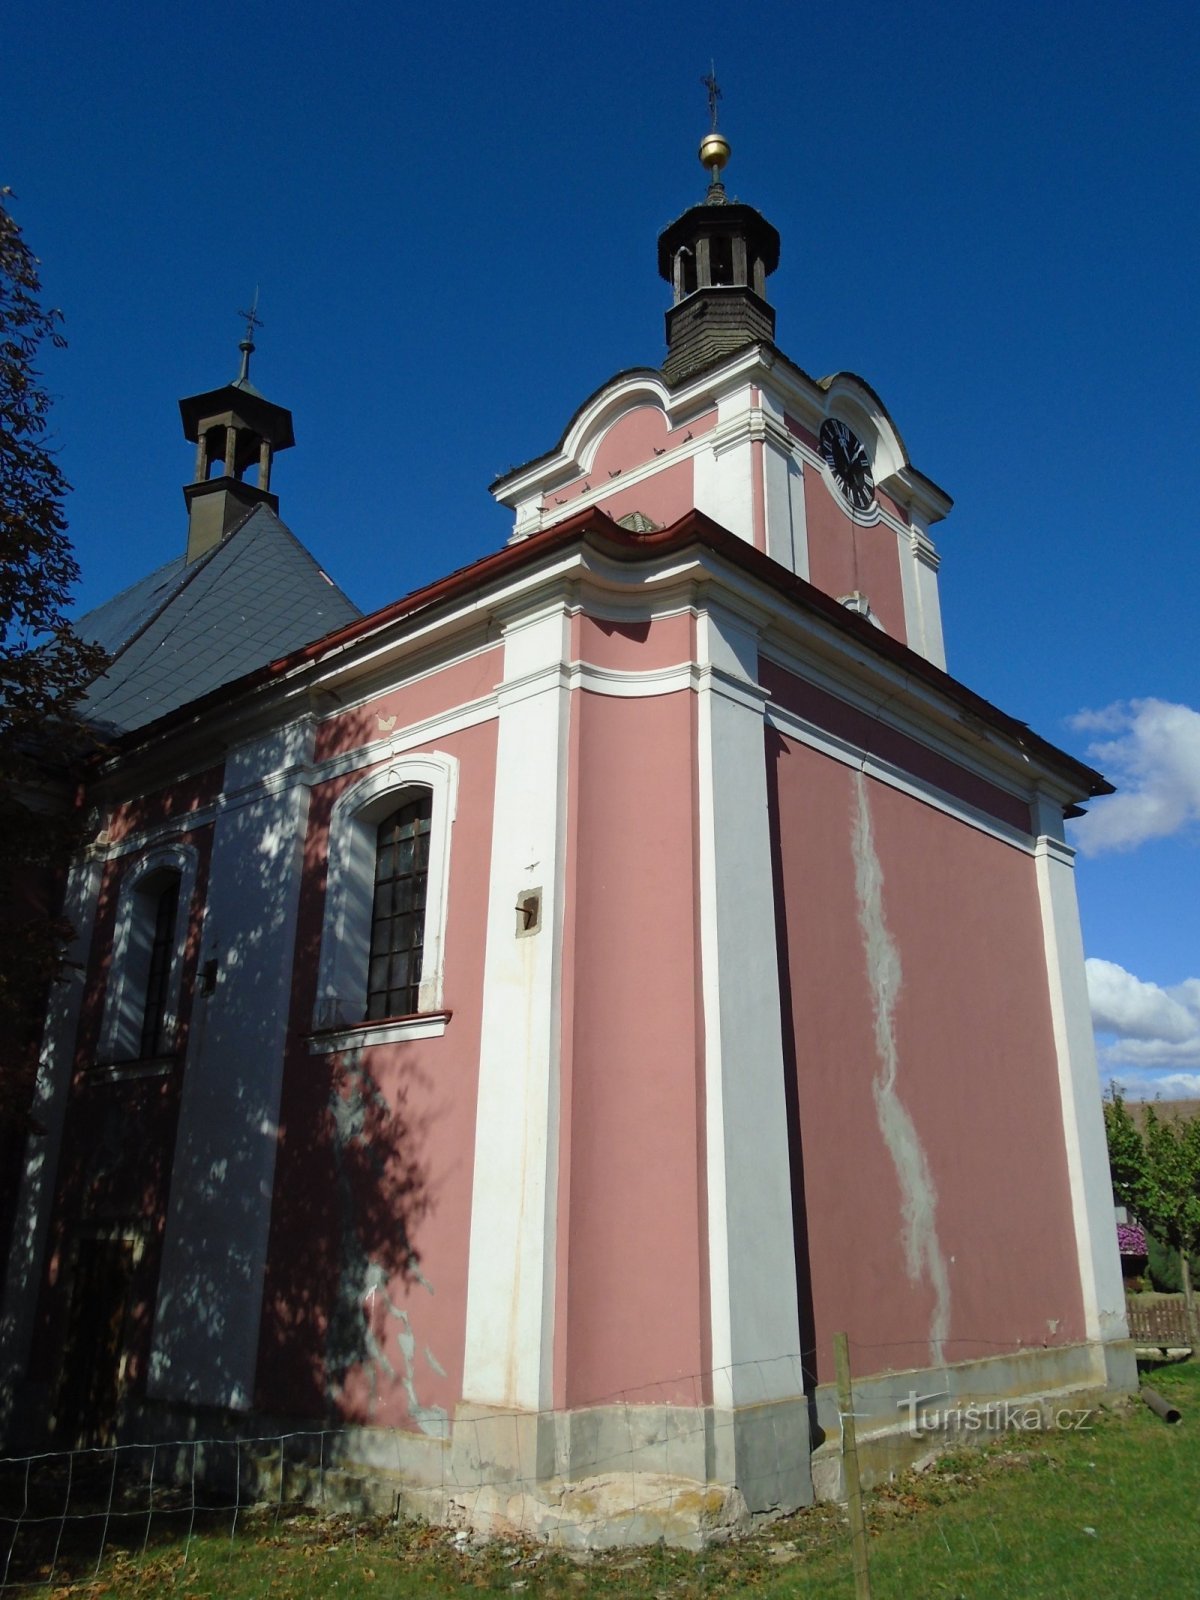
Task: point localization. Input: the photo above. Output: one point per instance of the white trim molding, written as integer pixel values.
(1078, 1081)
(346, 932)
(508, 1356)
(394, 1031)
(752, 1264)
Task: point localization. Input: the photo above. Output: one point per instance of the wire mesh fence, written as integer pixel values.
(635, 1482)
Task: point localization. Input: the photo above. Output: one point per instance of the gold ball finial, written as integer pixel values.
(714, 153)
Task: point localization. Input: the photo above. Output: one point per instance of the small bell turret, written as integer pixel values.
(717, 258)
(234, 429)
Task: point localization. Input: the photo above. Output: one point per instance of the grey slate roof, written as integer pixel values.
(114, 623)
(183, 631)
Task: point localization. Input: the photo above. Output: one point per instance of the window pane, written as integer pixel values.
(397, 927)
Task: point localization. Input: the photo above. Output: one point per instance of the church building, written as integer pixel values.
(512, 1032)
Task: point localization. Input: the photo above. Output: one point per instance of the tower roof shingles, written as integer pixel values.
(183, 631)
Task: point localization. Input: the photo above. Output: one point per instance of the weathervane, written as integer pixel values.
(253, 320)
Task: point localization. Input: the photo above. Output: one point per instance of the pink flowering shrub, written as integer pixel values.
(1131, 1239)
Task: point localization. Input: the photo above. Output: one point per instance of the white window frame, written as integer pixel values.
(349, 900)
(129, 966)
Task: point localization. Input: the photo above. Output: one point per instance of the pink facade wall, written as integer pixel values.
(758, 506)
(975, 1071)
(826, 711)
(180, 799)
(633, 438)
(630, 442)
(799, 431)
(894, 506)
(632, 1298)
(633, 646)
(370, 1226)
(410, 702)
(664, 497)
(844, 557)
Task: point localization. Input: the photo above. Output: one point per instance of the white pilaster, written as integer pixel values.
(752, 1267)
(783, 493)
(35, 1199)
(723, 472)
(922, 601)
(510, 1284)
(206, 1327)
(1078, 1081)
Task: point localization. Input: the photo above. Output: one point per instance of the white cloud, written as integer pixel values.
(1125, 1005)
(1177, 1085)
(1148, 1084)
(1154, 1032)
(1153, 756)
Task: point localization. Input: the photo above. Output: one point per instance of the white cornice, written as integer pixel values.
(794, 635)
(913, 489)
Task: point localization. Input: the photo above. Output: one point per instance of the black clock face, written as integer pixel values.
(847, 459)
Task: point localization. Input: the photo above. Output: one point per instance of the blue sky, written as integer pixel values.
(990, 213)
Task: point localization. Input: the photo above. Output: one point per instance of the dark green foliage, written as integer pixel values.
(44, 669)
(1163, 1267)
(1156, 1171)
(1156, 1174)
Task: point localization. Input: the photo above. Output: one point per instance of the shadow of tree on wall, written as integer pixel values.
(777, 752)
(351, 1192)
(248, 1154)
(351, 1188)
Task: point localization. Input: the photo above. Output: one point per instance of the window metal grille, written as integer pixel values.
(398, 918)
(154, 1041)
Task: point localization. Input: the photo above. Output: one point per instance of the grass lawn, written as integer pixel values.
(1107, 1512)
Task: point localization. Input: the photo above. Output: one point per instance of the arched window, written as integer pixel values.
(385, 903)
(720, 258)
(141, 1004)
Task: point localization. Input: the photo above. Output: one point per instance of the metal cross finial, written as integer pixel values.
(247, 345)
(253, 320)
(714, 93)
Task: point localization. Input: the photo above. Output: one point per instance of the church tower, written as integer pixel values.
(234, 428)
(717, 258)
(810, 471)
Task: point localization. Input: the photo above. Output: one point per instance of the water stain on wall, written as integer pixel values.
(922, 1253)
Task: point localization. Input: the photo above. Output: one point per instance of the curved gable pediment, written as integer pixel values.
(852, 400)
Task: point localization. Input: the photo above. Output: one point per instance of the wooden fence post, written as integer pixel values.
(858, 1521)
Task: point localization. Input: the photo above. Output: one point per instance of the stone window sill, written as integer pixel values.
(123, 1071)
(388, 1030)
